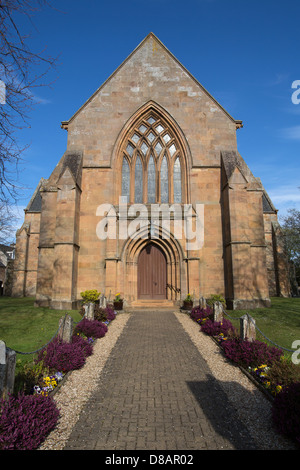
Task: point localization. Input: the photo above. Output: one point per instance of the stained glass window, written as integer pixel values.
(151, 181)
(152, 136)
(144, 148)
(158, 148)
(138, 182)
(125, 179)
(151, 120)
(130, 149)
(164, 181)
(177, 181)
(172, 150)
(142, 128)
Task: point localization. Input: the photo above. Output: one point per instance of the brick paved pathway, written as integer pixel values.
(156, 392)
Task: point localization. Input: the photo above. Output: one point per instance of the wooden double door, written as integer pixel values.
(152, 273)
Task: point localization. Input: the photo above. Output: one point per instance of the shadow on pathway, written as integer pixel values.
(156, 392)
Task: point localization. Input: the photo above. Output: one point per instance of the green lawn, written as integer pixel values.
(280, 323)
(26, 328)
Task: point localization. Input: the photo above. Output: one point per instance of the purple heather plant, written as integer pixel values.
(250, 353)
(110, 313)
(66, 356)
(286, 411)
(91, 328)
(26, 420)
(212, 328)
(198, 314)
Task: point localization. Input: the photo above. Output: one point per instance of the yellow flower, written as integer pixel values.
(278, 388)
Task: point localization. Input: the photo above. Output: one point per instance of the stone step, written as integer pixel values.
(153, 304)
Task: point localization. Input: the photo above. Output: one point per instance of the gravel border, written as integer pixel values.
(253, 408)
(80, 384)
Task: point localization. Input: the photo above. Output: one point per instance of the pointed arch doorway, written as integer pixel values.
(152, 273)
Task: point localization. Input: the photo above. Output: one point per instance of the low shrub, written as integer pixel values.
(286, 411)
(104, 314)
(100, 314)
(250, 353)
(91, 328)
(284, 372)
(198, 314)
(65, 356)
(212, 328)
(216, 298)
(26, 420)
(91, 295)
(110, 313)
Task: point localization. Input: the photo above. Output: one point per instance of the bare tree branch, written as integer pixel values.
(21, 70)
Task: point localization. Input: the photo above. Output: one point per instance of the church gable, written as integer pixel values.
(151, 72)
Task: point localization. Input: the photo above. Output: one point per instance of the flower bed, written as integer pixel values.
(265, 364)
(27, 419)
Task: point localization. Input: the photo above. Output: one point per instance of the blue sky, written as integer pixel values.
(246, 54)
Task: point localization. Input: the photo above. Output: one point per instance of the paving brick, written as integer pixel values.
(156, 392)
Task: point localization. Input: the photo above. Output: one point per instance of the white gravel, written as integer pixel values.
(252, 407)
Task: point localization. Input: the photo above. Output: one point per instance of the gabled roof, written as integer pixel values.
(151, 35)
(35, 203)
(232, 160)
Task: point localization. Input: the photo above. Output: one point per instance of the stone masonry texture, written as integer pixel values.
(156, 392)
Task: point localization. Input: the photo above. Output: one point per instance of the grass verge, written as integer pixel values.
(280, 322)
(26, 328)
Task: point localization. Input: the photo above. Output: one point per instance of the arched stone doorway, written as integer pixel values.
(170, 257)
(152, 273)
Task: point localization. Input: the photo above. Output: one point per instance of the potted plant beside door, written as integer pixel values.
(118, 302)
(188, 302)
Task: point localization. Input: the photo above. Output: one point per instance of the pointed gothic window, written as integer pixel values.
(177, 181)
(125, 179)
(152, 136)
(151, 181)
(164, 181)
(138, 181)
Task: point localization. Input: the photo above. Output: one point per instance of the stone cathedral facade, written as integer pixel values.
(151, 136)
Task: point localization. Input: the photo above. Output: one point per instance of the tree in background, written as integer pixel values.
(291, 230)
(21, 71)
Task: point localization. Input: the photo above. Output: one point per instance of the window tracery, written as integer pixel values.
(152, 161)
